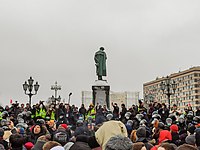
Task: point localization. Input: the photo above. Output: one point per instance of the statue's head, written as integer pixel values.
(101, 48)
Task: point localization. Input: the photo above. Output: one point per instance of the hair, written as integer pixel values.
(138, 146)
(16, 140)
(133, 135)
(167, 146)
(123, 105)
(186, 147)
(50, 144)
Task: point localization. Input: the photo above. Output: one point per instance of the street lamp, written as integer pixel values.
(69, 98)
(29, 86)
(56, 87)
(168, 87)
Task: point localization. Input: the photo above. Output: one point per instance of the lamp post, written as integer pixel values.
(56, 87)
(69, 98)
(168, 87)
(29, 86)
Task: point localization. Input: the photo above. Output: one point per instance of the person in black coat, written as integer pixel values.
(115, 111)
(82, 111)
(163, 112)
(198, 112)
(62, 119)
(123, 112)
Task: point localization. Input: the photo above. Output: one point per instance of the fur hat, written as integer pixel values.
(118, 143)
(40, 142)
(190, 139)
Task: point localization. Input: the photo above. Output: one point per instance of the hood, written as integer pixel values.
(165, 135)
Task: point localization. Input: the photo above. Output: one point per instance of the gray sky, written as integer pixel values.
(56, 41)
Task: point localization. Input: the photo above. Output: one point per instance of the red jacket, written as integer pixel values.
(164, 135)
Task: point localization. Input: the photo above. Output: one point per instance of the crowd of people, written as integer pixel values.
(67, 127)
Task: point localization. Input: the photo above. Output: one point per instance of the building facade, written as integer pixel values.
(187, 89)
(86, 97)
(127, 98)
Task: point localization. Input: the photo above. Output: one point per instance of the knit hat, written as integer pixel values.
(141, 134)
(64, 126)
(68, 145)
(57, 148)
(190, 139)
(21, 131)
(28, 145)
(1, 132)
(174, 128)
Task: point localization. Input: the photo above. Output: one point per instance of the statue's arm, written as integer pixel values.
(95, 59)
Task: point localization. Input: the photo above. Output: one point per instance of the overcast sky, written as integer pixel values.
(55, 40)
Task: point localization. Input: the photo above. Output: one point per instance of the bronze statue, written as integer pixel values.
(100, 60)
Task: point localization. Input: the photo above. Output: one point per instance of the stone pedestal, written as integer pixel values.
(100, 92)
